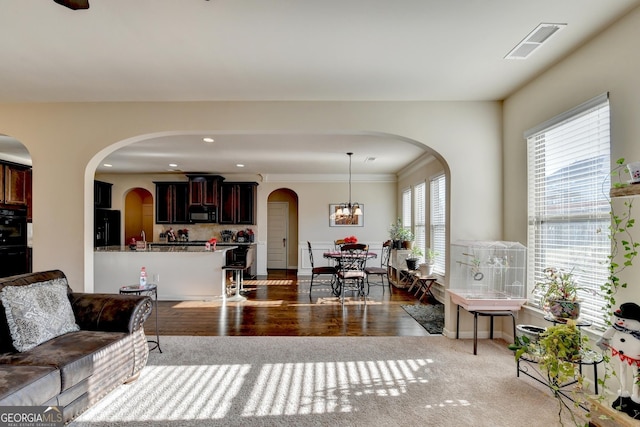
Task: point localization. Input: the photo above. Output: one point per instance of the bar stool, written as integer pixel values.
(238, 269)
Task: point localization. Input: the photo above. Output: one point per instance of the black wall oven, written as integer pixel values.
(13, 242)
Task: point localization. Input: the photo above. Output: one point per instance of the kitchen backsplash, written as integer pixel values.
(201, 231)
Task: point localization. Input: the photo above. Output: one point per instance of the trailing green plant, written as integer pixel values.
(557, 351)
(623, 246)
(624, 250)
(398, 232)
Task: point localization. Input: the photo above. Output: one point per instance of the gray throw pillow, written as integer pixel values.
(38, 312)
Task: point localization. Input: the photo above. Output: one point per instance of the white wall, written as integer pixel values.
(604, 65)
(609, 63)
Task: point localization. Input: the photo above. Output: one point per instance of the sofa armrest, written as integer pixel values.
(110, 312)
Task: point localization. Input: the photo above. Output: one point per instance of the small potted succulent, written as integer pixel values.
(559, 294)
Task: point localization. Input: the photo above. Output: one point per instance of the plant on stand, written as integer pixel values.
(400, 235)
(414, 258)
(559, 294)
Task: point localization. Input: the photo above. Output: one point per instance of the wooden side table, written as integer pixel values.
(151, 290)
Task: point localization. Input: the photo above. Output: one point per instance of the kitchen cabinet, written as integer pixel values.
(204, 190)
(15, 185)
(238, 202)
(102, 195)
(172, 202)
(29, 198)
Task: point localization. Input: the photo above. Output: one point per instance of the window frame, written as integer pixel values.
(568, 219)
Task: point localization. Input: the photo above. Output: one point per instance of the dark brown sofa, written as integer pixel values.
(76, 369)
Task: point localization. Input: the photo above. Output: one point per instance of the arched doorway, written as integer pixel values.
(282, 230)
(138, 215)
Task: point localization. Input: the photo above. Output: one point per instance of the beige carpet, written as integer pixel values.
(322, 381)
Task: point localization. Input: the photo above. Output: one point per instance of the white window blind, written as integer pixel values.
(568, 208)
(406, 208)
(420, 220)
(437, 221)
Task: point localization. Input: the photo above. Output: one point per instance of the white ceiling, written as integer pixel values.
(188, 50)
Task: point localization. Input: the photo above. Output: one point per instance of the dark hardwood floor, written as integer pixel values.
(280, 306)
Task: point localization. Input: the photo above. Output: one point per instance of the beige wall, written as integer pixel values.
(603, 65)
(68, 140)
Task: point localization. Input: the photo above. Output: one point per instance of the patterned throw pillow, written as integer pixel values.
(38, 312)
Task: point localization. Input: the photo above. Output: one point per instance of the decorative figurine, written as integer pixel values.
(623, 338)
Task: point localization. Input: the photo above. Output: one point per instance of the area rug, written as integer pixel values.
(321, 381)
(429, 316)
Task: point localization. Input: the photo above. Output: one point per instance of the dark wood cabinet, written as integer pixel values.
(204, 190)
(238, 202)
(172, 202)
(15, 185)
(102, 194)
(29, 197)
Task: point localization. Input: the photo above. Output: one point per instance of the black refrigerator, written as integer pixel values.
(107, 228)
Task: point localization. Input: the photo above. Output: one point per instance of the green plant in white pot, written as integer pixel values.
(430, 260)
(559, 293)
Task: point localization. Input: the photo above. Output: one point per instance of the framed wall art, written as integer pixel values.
(345, 221)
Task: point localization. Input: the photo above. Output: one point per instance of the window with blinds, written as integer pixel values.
(568, 207)
(406, 208)
(419, 218)
(437, 221)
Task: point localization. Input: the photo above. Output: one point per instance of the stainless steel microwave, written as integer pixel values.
(203, 215)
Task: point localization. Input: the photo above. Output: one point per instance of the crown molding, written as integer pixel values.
(328, 178)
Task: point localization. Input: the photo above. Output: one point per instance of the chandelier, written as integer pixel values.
(348, 212)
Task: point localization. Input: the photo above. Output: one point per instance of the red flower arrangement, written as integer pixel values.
(351, 239)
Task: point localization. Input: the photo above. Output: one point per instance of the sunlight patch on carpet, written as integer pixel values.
(207, 392)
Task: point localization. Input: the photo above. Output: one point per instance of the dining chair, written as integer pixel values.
(320, 270)
(383, 270)
(351, 266)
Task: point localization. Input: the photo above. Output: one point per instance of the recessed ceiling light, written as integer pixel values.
(370, 160)
(208, 140)
(173, 165)
(240, 165)
(107, 165)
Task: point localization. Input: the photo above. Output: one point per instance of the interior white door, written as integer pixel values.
(277, 236)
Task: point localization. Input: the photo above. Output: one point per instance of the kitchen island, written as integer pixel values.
(181, 271)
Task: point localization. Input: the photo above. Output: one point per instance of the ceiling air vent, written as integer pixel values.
(534, 40)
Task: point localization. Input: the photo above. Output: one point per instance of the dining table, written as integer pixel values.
(337, 256)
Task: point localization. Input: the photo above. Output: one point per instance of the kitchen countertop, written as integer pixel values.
(199, 243)
(166, 247)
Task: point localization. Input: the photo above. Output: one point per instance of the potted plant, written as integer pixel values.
(414, 258)
(557, 350)
(559, 294)
(400, 235)
(406, 238)
(394, 233)
(426, 268)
